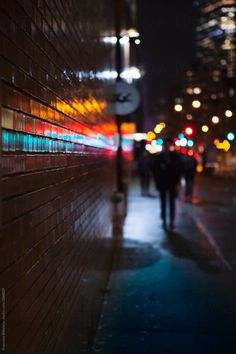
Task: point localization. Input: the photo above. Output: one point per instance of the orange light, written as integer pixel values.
(199, 168)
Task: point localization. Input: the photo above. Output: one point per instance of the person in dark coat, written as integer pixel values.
(144, 170)
(189, 165)
(167, 175)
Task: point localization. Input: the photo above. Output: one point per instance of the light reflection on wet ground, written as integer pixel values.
(169, 292)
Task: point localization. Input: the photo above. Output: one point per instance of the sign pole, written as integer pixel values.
(119, 167)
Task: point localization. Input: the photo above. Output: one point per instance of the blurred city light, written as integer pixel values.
(133, 33)
(153, 148)
(178, 107)
(137, 41)
(159, 127)
(150, 136)
(190, 143)
(148, 147)
(124, 40)
(159, 141)
(199, 168)
(188, 131)
(190, 153)
(196, 104)
(230, 136)
(215, 120)
(224, 145)
(159, 148)
(197, 90)
(177, 142)
(189, 116)
(111, 40)
(106, 74)
(131, 73)
(205, 128)
(228, 113)
(140, 136)
(201, 148)
(183, 142)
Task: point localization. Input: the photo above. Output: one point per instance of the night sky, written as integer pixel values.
(167, 34)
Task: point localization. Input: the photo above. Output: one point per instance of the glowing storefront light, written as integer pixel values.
(133, 33)
(124, 40)
(131, 73)
(111, 40)
(107, 75)
(140, 136)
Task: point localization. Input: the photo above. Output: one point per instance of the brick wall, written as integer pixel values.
(57, 164)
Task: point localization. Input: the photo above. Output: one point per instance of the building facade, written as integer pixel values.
(216, 37)
(58, 166)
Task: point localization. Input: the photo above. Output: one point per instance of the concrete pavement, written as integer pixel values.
(170, 292)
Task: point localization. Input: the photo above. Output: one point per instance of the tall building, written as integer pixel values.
(216, 39)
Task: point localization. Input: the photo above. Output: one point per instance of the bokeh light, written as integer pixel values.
(178, 107)
(215, 120)
(230, 136)
(228, 113)
(196, 104)
(205, 128)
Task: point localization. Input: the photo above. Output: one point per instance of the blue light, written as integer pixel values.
(190, 143)
(159, 141)
(230, 136)
(181, 136)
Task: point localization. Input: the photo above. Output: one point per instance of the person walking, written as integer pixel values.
(167, 174)
(189, 165)
(144, 164)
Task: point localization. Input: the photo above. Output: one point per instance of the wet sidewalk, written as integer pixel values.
(169, 292)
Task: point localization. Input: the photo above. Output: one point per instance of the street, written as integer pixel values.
(174, 292)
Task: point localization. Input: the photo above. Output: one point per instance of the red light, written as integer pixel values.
(188, 131)
(183, 151)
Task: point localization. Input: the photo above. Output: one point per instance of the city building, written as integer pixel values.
(215, 38)
(58, 168)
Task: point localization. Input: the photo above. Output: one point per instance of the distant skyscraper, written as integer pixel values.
(216, 37)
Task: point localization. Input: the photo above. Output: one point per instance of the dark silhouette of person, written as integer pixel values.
(167, 170)
(144, 170)
(189, 166)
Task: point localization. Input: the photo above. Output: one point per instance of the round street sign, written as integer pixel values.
(122, 98)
